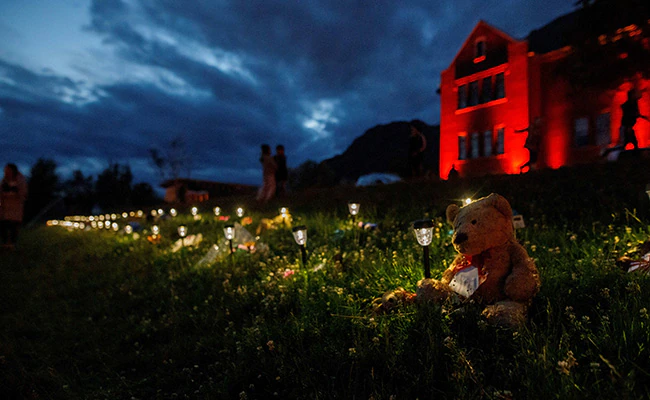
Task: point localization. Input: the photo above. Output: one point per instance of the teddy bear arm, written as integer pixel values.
(449, 273)
(523, 282)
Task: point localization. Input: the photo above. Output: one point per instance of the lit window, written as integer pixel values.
(581, 132)
(487, 143)
(473, 93)
(486, 90)
(462, 149)
(500, 91)
(462, 96)
(603, 132)
(474, 147)
(500, 147)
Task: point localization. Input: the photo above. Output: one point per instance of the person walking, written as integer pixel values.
(630, 115)
(532, 143)
(13, 193)
(267, 191)
(281, 173)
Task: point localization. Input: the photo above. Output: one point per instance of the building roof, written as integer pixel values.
(554, 35)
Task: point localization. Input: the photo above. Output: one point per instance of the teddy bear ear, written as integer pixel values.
(452, 213)
(500, 203)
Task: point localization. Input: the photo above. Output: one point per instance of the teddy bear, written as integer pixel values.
(492, 268)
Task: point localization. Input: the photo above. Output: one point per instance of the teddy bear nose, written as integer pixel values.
(460, 238)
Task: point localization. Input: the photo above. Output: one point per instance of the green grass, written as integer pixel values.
(98, 315)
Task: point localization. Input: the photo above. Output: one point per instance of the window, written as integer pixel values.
(500, 91)
(486, 90)
(479, 48)
(487, 143)
(474, 147)
(500, 147)
(581, 132)
(462, 96)
(603, 133)
(462, 149)
(473, 93)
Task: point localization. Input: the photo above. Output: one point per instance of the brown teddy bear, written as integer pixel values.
(491, 268)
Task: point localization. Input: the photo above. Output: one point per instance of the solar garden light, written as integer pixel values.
(155, 230)
(284, 212)
(240, 212)
(467, 201)
(173, 212)
(195, 211)
(300, 236)
(354, 207)
(229, 233)
(182, 232)
(114, 225)
(128, 229)
(217, 211)
(161, 212)
(423, 230)
(154, 213)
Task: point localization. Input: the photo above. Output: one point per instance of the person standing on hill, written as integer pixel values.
(13, 193)
(281, 174)
(267, 191)
(417, 145)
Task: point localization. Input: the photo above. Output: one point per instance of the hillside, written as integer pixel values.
(383, 148)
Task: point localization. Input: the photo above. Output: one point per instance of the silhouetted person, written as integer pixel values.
(453, 173)
(532, 143)
(13, 193)
(417, 145)
(267, 191)
(630, 115)
(281, 174)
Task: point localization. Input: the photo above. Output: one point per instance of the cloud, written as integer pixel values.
(228, 76)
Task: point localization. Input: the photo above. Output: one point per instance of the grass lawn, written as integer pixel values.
(99, 315)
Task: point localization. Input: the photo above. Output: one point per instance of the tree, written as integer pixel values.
(79, 193)
(173, 162)
(113, 187)
(43, 186)
(143, 195)
(610, 43)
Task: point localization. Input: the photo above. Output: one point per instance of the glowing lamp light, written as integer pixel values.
(132, 214)
(139, 214)
(240, 212)
(128, 229)
(101, 218)
(229, 233)
(423, 230)
(300, 236)
(107, 225)
(82, 226)
(467, 201)
(93, 224)
(353, 207)
(115, 226)
(217, 211)
(124, 215)
(161, 212)
(284, 211)
(100, 224)
(154, 213)
(173, 212)
(113, 217)
(155, 230)
(195, 211)
(182, 231)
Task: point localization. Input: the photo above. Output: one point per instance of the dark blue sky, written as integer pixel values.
(91, 82)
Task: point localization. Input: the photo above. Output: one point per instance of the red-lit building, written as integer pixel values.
(497, 84)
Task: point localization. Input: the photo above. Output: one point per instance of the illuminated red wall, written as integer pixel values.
(533, 88)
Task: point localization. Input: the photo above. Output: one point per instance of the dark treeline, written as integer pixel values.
(113, 189)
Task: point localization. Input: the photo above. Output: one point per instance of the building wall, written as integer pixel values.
(534, 87)
(509, 113)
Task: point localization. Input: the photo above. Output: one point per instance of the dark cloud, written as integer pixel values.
(229, 75)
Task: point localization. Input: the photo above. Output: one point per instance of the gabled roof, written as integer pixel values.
(481, 24)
